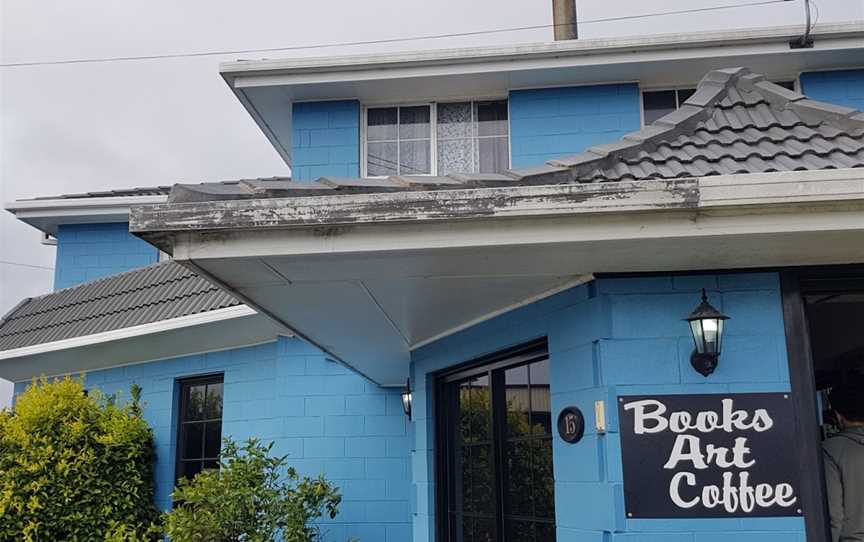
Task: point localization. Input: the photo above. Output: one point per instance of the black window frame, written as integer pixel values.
(184, 385)
(492, 365)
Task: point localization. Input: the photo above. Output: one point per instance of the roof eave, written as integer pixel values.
(714, 192)
(677, 42)
(220, 329)
(48, 214)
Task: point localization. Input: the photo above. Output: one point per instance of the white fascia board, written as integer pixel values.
(594, 51)
(129, 332)
(460, 207)
(47, 214)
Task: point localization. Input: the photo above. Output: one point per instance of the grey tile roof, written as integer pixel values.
(150, 294)
(123, 192)
(735, 123)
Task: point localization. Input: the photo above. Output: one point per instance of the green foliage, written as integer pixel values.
(253, 497)
(75, 466)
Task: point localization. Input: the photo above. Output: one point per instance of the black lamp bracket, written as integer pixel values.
(705, 364)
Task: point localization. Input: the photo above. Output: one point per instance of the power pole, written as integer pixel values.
(564, 19)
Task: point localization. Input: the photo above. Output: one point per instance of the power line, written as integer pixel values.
(374, 42)
(32, 266)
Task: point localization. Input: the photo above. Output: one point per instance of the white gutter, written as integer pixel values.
(47, 214)
(210, 317)
(249, 73)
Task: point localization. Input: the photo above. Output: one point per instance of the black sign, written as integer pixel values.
(709, 456)
(571, 424)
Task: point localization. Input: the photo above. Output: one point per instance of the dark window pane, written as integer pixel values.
(466, 474)
(212, 439)
(212, 464)
(517, 397)
(541, 404)
(683, 94)
(657, 104)
(475, 409)
(520, 531)
(192, 441)
(414, 122)
(519, 478)
(491, 118)
(381, 159)
(467, 529)
(415, 157)
(213, 403)
(189, 469)
(492, 154)
(544, 531)
(381, 123)
(484, 530)
(195, 402)
(481, 406)
(544, 483)
(483, 479)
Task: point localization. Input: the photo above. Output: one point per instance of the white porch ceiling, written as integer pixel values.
(379, 279)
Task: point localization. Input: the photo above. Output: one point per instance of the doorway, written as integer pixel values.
(495, 462)
(824, 316)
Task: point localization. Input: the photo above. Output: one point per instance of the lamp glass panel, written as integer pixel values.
(710, 329)
(719, 334)
(698, 338)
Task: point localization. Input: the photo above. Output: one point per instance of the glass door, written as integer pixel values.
(496, 465)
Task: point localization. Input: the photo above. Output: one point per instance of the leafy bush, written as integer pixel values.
(248, 498)
(75, 466)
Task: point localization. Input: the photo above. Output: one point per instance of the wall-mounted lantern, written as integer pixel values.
(407, 399)
(706, 325)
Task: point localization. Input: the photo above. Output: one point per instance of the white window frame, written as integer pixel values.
(433, 121)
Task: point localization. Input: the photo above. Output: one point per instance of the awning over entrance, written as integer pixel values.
(746, 174)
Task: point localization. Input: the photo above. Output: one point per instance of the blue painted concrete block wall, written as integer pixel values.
(616, 337)
(554, 122)
(325, 417)
(326, 139)
(844, 87)
(90, 251)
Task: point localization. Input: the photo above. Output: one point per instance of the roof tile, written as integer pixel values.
(150, 294)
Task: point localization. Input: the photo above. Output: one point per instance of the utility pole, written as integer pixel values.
(564, 19)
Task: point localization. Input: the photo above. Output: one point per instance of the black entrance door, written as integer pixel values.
(495, 469)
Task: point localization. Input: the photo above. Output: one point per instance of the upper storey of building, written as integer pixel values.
(490, 108)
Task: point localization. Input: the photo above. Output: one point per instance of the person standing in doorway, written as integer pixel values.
(844, 463)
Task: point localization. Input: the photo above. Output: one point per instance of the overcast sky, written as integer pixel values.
(79, 127)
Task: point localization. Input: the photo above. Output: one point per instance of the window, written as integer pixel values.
(658, 103)
(495, 425)
(199, 436)
(437, 139)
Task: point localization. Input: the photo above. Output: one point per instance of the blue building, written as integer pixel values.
(514, 237)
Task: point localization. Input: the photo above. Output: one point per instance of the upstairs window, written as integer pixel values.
(437, 139)
(658, 103)
(199, 438)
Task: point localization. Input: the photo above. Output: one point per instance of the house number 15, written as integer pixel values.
(571, 424)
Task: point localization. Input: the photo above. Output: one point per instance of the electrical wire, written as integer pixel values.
(375, 42)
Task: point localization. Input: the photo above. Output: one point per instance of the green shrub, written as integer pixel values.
(75, 466)
(249, 498)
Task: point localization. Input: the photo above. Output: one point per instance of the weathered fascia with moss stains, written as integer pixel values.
(784, 192)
